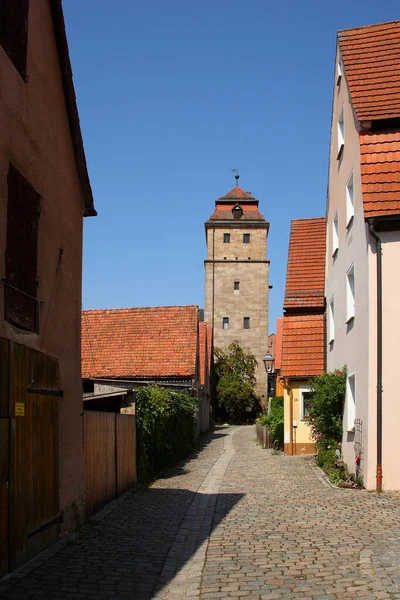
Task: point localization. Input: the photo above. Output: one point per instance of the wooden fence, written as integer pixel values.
(263, 436)
(110, 457)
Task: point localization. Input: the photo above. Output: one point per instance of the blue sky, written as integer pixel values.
(174, 94)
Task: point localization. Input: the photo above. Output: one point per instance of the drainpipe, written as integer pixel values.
(379, 388)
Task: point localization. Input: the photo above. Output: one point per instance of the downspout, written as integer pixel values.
(379, 356)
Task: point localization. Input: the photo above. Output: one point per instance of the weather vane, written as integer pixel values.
(236, 171)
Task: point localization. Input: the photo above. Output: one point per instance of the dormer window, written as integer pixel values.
(237, 211)
(338, 73)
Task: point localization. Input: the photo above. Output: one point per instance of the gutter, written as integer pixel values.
(379, 388)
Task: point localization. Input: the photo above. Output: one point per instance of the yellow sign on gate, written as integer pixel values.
(20, 409)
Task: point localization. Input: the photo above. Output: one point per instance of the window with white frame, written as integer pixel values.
(350, 199)
(305, 397)
(340, 133)
(351, 401)
(331, 320)
(350, 295)
(338, 73)
(335, 233)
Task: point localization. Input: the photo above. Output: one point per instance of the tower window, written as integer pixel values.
(246, 322)
(227, 238)
(225, 322)
(236, 285)
(246, 238)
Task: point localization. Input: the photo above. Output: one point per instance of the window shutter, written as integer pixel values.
(14, 32)
(23, 208)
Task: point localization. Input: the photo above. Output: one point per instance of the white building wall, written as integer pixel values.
(350, 345)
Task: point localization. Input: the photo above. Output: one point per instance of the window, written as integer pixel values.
(23, 208)
(227, 238)
(331, 320)
(14, 32)
(225, 323)
(246, 238)
(350, 295)
(236, 285)
(305, 403)
(340, 133)
(338, 73)
(246, 322)
(351, 401)
(335, 233)
(350, 200)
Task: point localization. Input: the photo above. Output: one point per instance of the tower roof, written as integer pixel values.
(226, 207)
(237, 193)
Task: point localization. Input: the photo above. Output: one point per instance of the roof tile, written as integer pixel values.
(302, 345)
(140, 342)
(370, 57)
(305, 275)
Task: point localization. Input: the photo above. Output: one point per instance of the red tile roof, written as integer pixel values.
(380, 173)
(203, 351)
(237, 193)
(370, 57)
(278, 343)
(303, 346)
(305, 276)
(140, 342)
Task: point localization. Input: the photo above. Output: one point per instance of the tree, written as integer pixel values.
(235, 369)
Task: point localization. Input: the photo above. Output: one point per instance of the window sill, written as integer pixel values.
(350, 222)
(331, 340)
(340, 152)
(349, 320)
(335, 252)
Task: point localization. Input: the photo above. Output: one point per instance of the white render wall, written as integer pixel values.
(350, 346)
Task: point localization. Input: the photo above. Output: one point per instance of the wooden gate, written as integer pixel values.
(29, 408)
(110, 457)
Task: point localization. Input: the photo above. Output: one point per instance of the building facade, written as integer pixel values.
(44, 194)
(363, 247)
(237, 278)
(303, 329)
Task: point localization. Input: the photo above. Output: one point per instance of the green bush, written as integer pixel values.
(165, 429)
(326, 407)
(274, 421)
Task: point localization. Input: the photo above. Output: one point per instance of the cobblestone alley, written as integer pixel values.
(233, 522)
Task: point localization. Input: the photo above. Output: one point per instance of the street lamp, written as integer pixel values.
(268, 361)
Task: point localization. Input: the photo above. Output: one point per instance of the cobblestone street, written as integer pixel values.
(233, 522)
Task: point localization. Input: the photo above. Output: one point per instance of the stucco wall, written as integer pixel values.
(350, 345)
(391, 353)
(297, 440)
(36, 139)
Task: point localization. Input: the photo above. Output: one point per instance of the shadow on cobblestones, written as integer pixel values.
(136, 548)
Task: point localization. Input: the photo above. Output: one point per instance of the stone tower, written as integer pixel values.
(237, 277)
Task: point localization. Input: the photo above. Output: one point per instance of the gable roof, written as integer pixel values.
(370, 56)
(71, 106)
(132, 343)
(302, 346)
(380, 173)
(305, 275)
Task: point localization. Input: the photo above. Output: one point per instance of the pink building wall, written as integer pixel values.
(36, 138)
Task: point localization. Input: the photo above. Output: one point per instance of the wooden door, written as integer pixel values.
(31, 458)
